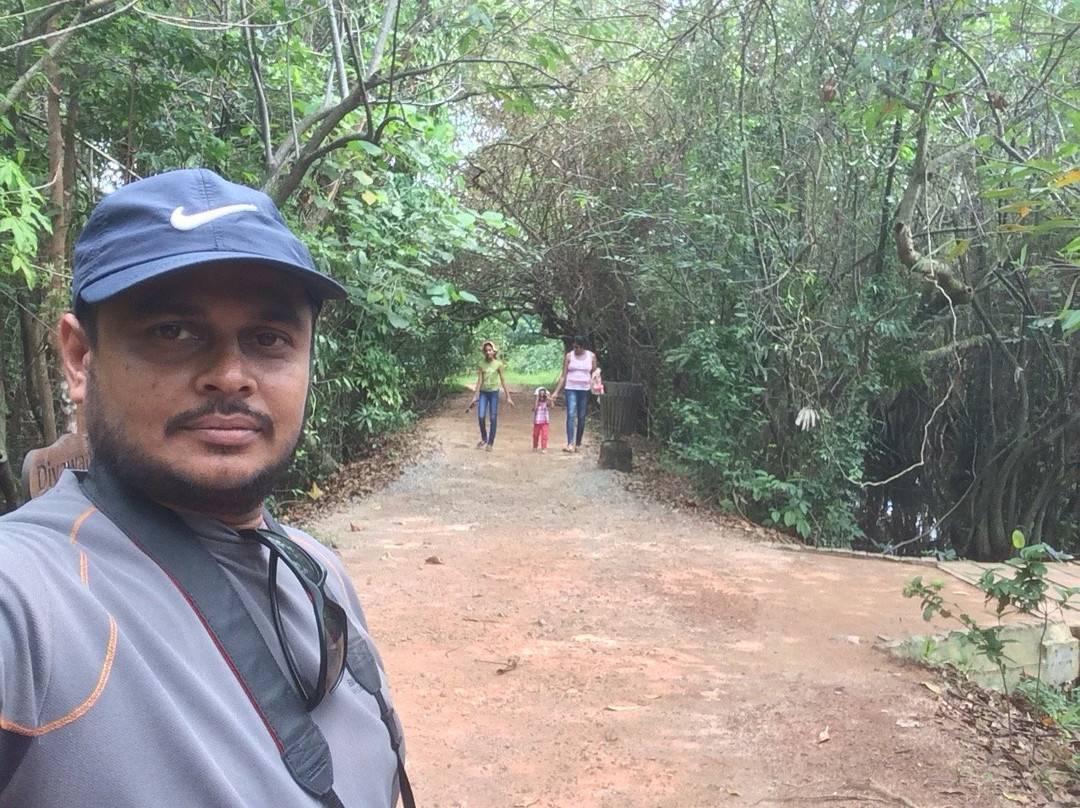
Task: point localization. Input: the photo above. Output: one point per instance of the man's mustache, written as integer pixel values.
(218, 407)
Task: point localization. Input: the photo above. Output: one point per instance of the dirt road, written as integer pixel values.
(553, 640)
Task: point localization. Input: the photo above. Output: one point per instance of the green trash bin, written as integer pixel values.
(619, 406)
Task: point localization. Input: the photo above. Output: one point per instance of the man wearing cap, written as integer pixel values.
(163, 640)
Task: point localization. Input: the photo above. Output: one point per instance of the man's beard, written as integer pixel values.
(167, 486)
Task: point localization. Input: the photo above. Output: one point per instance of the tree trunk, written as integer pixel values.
(39, 388)
(35, 331)
(9, 485)
(59, 195)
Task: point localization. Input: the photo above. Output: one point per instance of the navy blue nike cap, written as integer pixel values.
(182, 219)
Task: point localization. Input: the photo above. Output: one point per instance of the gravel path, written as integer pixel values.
(554, 640)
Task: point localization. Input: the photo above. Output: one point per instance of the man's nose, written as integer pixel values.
(228, 371)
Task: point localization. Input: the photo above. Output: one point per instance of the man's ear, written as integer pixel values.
(75, 351)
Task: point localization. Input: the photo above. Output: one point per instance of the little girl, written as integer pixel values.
(540, 419)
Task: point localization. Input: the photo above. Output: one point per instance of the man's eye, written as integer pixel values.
(270, 339)
(172, 331)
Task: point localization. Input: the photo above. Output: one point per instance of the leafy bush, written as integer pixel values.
(724, 430)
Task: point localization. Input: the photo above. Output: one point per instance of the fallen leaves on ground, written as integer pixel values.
(1037, 756)
(383, 463)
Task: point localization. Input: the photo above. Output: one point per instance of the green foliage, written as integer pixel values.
(715, 409)
(721, 432)
(719, 224)
(1059, 707)
(542, 358)
(930, 594)
(1062, 704)
(526, 351)
(390, 225)
(22, 219)
(1022, 592)
(1026, 590)
(986, 642)
(357, 394)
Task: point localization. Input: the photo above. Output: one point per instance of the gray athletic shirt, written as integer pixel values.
(113, 695)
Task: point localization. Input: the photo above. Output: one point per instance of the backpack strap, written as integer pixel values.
(168, 541)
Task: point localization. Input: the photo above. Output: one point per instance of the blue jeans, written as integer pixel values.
(488, 405)
(576, 402)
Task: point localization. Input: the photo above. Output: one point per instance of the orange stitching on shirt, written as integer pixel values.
(106, 669)
(84, 574)
(78, 524)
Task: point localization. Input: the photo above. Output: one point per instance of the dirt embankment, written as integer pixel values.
(554, 640)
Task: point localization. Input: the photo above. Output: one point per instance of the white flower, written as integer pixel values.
(807, 418)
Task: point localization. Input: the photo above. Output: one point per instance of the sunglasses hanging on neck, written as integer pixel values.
(330, 619)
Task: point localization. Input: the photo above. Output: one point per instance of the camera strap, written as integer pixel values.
(168, 541)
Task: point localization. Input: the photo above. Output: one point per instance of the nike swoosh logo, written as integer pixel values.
(189, 221)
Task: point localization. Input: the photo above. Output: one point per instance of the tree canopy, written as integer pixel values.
(837, 242)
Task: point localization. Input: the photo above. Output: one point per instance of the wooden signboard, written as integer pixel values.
(41, 467)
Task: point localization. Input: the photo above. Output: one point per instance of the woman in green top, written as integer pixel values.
(489, 377)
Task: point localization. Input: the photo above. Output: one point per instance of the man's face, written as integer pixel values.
(195, 390)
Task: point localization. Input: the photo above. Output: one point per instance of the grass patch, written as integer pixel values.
(547, 378)
(536, 378)
(1060, 704)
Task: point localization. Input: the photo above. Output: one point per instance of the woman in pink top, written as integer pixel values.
(578, 368)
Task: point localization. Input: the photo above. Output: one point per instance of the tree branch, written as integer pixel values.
(91, 14)
(335, 41)
(260, 89)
